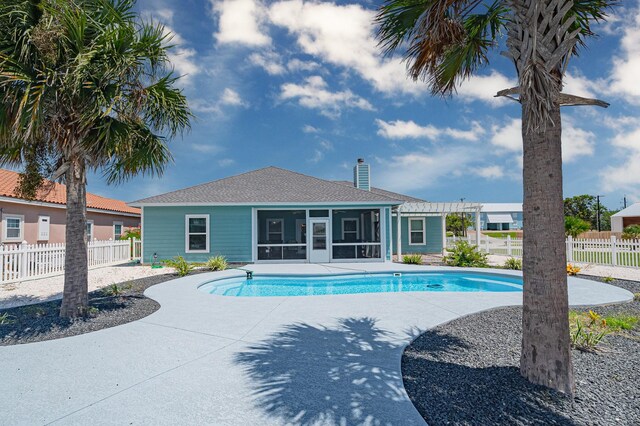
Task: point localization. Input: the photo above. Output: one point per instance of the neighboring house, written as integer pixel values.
(501, 216)
(626, 217)
(43, 220)
(272, 214)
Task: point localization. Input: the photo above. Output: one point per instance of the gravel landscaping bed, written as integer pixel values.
(38, 322)
(466, 373)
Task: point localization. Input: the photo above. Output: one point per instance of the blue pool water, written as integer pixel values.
(264, 286)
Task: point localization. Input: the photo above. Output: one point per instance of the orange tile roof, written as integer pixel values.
(58, 195)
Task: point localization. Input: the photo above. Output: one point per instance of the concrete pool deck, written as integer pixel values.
(204, 359)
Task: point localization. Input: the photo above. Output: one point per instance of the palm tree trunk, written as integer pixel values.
(75, 299)
(546, 349)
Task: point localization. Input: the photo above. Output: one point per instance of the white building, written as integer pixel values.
(626, 217)
(501, 216)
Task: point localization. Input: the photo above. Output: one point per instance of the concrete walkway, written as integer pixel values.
(215, 360)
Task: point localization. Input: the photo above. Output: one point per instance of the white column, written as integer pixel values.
(444, 232)
(399, 237)
(478, 227)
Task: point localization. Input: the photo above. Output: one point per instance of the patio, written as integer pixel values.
(203, 359)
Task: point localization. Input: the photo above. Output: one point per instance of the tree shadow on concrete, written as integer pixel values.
(347, 374)
(446, 388)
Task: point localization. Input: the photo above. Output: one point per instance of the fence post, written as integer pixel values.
(569, 244)
(614, 255)
(110, 250)
(508, 245)
(22, 272)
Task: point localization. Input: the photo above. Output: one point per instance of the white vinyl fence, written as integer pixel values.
(610, 251)
(27, 261)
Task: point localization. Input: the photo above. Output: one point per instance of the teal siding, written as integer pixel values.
(433, 236)
(229, 232)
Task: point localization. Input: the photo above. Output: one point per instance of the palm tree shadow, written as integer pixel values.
(347, 374)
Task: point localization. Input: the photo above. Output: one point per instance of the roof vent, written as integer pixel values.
(362, 175)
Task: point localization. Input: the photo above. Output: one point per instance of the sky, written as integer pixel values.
(302, 85)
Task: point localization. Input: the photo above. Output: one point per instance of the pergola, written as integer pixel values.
(435, 209)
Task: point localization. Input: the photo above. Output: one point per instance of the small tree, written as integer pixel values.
(574, 226)
(84, 86)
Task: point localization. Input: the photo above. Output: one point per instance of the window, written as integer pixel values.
(197, 233)
(117, 230)
(275, 230)
(350, 230)
(89, 230)
(13, 227)
(417, 235)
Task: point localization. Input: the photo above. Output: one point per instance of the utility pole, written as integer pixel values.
(598, 210)
(464, 228)
(624, 201)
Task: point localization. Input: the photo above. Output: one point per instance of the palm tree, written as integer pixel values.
(446, 41)
(84, 86)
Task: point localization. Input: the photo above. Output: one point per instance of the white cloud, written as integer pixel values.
(182, 58)
(626, 67)
(313, 94)
(307, 128)
(326, 145)
(343, 35)
(625, 176)
(399, 129)
(576, 142)
(231, 97)
(269, 61)
(241, 22)
(205, 148)
(485, 87)
(297, 65)
(226, 162)
(509, 136)
(577, 84)
(416, 171)
(489, 172)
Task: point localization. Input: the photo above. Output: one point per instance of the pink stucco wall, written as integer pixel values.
(102, 222)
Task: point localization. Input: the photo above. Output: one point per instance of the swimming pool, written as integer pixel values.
(317, 285)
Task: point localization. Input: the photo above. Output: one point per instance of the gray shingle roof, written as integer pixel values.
(384, 192)
(269, 185)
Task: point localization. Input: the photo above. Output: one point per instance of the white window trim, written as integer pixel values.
(92, 227)
(281, 220)
(346, 219)
(116, 222)
(4, 227)
(186, 232)
(424, 230)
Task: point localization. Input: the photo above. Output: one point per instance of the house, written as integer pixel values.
(501, 216)
(43, 220)
(626, 217)
(275, 215)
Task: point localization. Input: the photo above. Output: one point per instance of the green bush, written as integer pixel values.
(5, 318)
(412, 259)
(513, 263)
(181, 266)
(631, 232)
(114, 290)
(217, 263)
(574, 226)
(464, 254)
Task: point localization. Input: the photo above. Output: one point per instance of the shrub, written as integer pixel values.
(622, 321)
(217, 263)
(575, 226)
(608, 279)
(181, 266)
(631, 232)
(130, 233)
(412, 259)
(465, 255)
(572, 269)
(513, 263)
(636, 297)
(587, 337)
(114, 290)
(5, 318)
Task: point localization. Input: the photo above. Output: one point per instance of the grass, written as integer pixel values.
(501, 234)
(588, 328)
